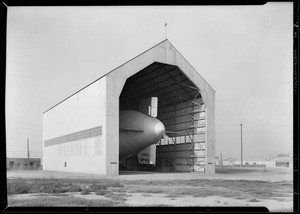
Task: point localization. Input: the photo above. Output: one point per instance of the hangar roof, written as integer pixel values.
(161, 73)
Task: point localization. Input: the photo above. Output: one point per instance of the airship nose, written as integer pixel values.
(159, 128)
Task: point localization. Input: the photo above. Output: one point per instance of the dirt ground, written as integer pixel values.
(271, 189)
(137, 199)
(159, 199)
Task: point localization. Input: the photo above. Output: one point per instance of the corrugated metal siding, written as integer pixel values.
(72, 132)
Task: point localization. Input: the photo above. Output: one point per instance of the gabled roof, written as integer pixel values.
(162, 50)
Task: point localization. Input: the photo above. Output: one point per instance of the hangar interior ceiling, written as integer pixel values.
(180, 109)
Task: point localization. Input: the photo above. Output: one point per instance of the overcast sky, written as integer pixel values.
(243, 52)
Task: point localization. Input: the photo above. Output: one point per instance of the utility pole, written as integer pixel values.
(221, 159)
(28, 151)
(241, 145)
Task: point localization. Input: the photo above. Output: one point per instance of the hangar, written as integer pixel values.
(81, 133)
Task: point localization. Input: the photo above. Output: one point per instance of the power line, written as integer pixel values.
(22, 126)
(9, 122)
(25, 151)
(254, 132)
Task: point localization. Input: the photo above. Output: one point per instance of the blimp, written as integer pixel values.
(140, 131)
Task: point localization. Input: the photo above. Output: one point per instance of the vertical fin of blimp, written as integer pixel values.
(149, 106)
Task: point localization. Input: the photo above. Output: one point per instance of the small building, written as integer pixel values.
(284, 162)
(280, 161)
(251, 163)
(228, 162)
(23, 163)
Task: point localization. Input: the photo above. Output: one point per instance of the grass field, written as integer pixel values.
(276, 196)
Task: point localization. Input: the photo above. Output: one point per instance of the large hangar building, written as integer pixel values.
(81, 133)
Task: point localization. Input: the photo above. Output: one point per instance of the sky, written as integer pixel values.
(244, 52)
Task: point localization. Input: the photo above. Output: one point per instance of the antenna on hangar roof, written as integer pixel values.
(165, 25)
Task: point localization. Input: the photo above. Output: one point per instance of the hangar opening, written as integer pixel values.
(179, 107)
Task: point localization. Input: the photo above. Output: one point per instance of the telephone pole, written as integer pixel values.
(241, 145)
(221, 159)
(28, 151)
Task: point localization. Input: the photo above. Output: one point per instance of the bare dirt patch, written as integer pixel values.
(138, 199)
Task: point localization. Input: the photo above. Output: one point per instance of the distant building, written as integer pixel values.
(281, 155)
(280, 161)
(285, 162)
(23, 164)
(228, 162)
(253, 163)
